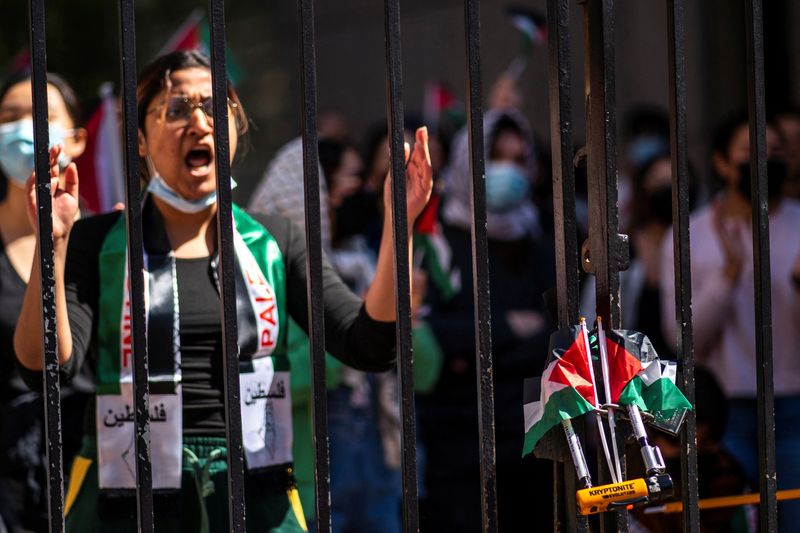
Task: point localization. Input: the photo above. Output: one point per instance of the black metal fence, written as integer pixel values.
(607, 249)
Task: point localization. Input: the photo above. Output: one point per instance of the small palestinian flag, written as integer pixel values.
(565, 389)
(639, 378)
(532, 24)
(100, 166)
(433, 252)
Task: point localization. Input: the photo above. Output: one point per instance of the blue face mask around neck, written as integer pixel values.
(159, 188)
(17, 152)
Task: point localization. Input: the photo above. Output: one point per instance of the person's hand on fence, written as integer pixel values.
(63, 197)
(419, 179)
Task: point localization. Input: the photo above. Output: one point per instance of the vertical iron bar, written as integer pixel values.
(141, 390)
(480, 268)
(401, 236)
(601, 156)
(768, 508)
(563, 168)
(313, 224)
(566, 237)
(676, 30)
(52, 394)
(230, 347)
(607, 253)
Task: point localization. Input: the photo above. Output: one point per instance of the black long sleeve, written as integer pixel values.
(350, 334)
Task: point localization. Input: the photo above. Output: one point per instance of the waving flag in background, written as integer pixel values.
(533, 27)
(565, 389)
(100, 165)
(193, 35)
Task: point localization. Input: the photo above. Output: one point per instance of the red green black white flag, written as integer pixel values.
(565, 389)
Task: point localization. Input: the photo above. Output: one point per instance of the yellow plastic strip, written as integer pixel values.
(297, 507)
(79, 469)
(727, 501)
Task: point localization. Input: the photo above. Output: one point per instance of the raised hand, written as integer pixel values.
(729, 234)
(63, 197)
(419, 178)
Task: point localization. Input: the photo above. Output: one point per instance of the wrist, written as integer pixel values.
(60, 243)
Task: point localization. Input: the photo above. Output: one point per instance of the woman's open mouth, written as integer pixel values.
(199, 160)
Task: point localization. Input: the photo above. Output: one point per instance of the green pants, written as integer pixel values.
(201, 506)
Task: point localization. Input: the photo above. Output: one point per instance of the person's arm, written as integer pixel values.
(359, 333)
(351, 335)
(380, 297)
(28, 333)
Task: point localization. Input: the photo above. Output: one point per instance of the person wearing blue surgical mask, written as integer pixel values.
(521, 268)
(507, 183)
(22, 472)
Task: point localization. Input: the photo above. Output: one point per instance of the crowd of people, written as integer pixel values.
(177, 166)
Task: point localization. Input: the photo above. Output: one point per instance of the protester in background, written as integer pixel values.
(363, 410)
(22, 445)
(280, 192)
(645, 135)
(277, 190)
(188, 442)
(520, 270)
(788, 124)
(640, 290)
(333, 124)
(723, 308)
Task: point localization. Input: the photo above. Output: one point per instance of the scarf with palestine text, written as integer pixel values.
(264, 367)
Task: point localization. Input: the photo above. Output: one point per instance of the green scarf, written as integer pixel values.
(264, 366)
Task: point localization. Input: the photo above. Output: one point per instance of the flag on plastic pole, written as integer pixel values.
(533, 27)
(639, 377)
(565, 389)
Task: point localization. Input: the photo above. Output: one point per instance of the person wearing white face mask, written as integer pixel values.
(184, 330)
(22, 474)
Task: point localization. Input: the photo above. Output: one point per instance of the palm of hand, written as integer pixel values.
(65, 209)
(64, 200)
(419, 178)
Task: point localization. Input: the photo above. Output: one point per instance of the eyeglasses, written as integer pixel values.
(179, 109)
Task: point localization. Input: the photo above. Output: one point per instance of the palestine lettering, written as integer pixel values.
(126, 331)
(277, 392)
(113, 419)
(264, 306)
(612, 489)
